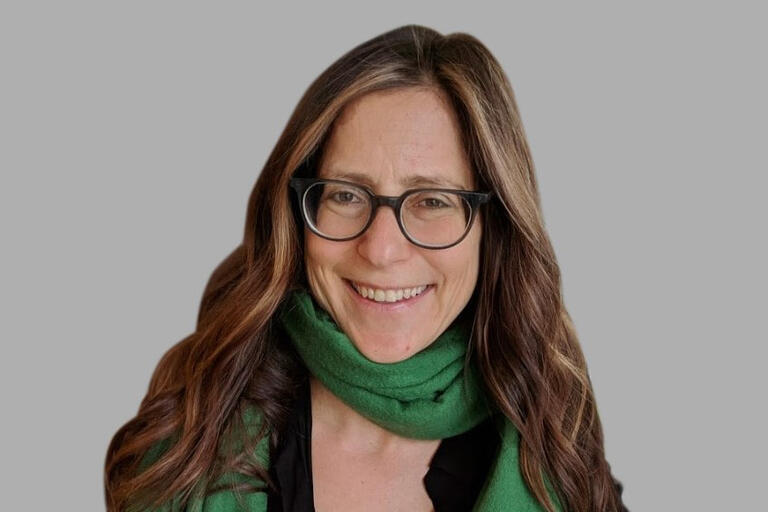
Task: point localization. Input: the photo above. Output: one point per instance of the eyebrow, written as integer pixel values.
(414, 180)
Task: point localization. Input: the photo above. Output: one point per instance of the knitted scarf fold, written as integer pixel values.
(427, 396)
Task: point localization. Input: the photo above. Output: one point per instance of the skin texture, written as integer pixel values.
(386, 138)
(389, 138)
(357, 465)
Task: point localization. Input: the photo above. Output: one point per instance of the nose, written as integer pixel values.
(383, 243)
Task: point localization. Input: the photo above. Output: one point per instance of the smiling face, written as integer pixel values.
(392, 141)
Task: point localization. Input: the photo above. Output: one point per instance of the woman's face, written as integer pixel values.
(392, 141)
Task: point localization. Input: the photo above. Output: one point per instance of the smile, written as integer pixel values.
(388, 295)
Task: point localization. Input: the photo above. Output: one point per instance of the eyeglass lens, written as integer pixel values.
(432, 217)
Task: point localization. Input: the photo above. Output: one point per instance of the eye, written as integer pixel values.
(344, 197)
(433, 202)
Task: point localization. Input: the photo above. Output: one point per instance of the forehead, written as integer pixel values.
(398, 138)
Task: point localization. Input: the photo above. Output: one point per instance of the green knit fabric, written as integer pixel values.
(427, 396)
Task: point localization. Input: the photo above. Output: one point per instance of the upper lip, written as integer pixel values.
(386, 287)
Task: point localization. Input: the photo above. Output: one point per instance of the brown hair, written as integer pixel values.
(523, 339)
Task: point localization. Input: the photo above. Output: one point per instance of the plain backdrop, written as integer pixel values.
(131, 134)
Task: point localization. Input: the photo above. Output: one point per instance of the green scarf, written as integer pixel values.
(427, 396)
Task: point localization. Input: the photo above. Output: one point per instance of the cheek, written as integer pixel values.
(321, 259)
(316, 260)
(463, 263)
(318, 252)
(459, 269)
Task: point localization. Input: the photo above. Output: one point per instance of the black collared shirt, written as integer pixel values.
(456, 472)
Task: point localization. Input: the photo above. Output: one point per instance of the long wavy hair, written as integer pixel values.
(523, 340)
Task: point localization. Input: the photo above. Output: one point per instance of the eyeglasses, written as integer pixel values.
(432, 218)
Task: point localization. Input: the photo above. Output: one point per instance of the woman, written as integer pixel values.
(391, 333)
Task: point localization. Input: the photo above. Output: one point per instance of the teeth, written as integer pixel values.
(379, 295)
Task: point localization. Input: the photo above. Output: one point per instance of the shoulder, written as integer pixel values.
(225, 474)
(155, 452)
(234, 440)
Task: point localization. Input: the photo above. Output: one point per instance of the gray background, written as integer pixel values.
(131, 134)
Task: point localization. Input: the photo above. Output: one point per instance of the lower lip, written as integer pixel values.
(404, 304)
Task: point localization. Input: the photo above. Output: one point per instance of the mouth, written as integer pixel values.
(373, 294)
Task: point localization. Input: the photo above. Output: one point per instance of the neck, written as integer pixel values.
(336, 422)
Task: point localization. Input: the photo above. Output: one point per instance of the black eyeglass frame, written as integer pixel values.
(474, 199)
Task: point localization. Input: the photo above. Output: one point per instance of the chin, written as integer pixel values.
(381, 349)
